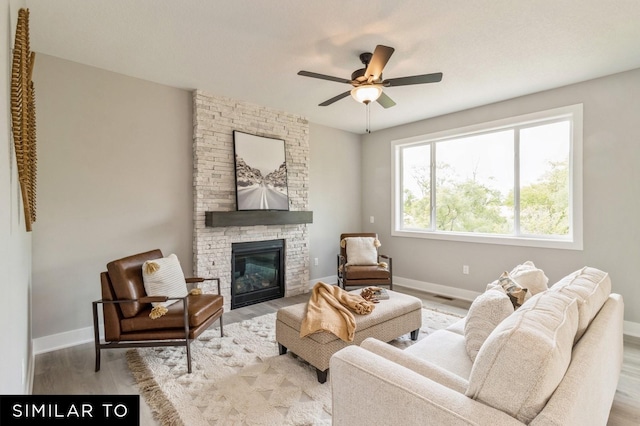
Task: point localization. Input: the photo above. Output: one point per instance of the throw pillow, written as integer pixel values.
(361, 251)
(529, 277)
(516, 293)
(164, 277)
(486, 312)
(525, 358)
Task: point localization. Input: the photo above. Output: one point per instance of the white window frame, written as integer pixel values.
(574, 241)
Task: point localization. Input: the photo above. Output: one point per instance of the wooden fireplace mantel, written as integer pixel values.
(256, 217)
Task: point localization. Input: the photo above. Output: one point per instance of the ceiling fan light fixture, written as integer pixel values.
(366, 94)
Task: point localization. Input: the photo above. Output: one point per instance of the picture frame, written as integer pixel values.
(261, 172)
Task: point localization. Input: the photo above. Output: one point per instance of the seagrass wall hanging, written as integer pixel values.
(23, 116)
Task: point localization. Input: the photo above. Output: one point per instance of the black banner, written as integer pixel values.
(45, 410)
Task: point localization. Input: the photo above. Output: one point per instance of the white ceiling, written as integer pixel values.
(251, 50)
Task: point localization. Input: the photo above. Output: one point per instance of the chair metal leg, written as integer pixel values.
(96, 334)
(97, 358)
(221, 333)
(188, 345)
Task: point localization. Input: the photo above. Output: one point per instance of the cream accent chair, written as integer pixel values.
(511, 382)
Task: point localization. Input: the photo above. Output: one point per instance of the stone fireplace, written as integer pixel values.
(215, 118)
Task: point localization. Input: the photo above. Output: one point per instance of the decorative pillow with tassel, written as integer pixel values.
(163, 277)
(361, 250)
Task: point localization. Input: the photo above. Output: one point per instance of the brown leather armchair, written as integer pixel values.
(126, 309)
(364, 275)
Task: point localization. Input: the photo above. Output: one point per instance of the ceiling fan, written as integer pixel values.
(367, 82)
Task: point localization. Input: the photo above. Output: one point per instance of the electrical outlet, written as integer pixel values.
(372, 219)
(465, 269)
(315, 261)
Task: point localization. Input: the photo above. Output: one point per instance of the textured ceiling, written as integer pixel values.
(251, 50)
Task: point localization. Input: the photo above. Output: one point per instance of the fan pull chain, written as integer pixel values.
(368, 129)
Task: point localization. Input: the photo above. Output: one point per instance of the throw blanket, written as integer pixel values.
(329, 309)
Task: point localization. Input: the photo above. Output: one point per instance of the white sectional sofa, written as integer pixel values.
(554, 361)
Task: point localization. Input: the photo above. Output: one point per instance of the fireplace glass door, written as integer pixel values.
(257, 272)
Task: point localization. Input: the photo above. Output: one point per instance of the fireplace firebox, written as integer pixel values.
(257, 272)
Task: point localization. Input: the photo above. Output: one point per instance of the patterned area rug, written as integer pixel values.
(240, 379)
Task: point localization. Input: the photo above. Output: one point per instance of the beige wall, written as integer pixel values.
(334, 194)
(115, 171)
(611, 194)
(15, 242)
(114, 178)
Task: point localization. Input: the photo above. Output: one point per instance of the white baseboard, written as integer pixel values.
(63, 340)
(631, 328)
(331, 279)
(439, 289)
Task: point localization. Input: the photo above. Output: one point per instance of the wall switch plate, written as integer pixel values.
(315, 261)
(372, 219)
(465, 269)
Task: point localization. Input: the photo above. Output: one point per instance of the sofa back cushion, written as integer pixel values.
(525, 358)
(591, 288)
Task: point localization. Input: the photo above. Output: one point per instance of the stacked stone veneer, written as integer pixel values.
(215, 119)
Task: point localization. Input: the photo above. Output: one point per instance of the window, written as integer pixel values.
(516, 181)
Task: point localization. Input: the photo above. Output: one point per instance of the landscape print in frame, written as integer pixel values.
(261, 172)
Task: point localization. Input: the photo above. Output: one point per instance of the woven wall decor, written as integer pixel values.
(23, 116)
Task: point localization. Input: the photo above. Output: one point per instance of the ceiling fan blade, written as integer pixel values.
(335, 98)
(380, 58)
(415, 79)
(386, 101)
(323, 77)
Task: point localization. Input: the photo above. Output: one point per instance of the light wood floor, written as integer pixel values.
(70, 370)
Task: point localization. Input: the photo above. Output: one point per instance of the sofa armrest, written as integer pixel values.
(369, 389)
(417, 365)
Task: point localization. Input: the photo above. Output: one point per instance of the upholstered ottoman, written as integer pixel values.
(391, 318)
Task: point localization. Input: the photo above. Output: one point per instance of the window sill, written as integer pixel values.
(563, 244)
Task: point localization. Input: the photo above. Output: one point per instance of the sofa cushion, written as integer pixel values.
(445, 349)
(525, 358)
(591, 288)
(529, 277)
(486, 312)
(164, 277)
(362, 251)
(420, 366)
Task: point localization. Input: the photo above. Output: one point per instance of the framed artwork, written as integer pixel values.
(261, 172)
